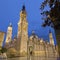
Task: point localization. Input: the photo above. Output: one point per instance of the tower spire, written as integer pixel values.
(23, 12)
(10, 24)
(23, 8)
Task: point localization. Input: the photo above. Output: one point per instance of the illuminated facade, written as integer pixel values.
(2, 34)
(9, 33)
(22, 36)
(41, 48)
(32, 45)
(51, 38)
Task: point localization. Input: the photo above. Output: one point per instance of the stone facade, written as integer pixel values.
(22, 31)
(2, 34)
(51, 38)
(9, 33)
(41, 48)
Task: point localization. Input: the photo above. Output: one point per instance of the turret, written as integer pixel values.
(51, 38)
(9, 33)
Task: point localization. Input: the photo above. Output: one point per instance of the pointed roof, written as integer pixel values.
(33, 35)
(33, 32)
(23, 8)
(10, 25)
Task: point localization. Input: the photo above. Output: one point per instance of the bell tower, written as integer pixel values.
(9, 33)
(22, 31)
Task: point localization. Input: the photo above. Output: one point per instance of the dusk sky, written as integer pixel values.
(10, 11)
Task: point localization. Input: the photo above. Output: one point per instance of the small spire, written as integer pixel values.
(33, 32)
(10, 24)
(15, 37)
(23, 8)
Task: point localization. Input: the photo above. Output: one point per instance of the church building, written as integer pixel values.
(32, 45)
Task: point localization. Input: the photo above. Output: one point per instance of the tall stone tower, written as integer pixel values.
(9, 33)
(51, 38)
(22, 31)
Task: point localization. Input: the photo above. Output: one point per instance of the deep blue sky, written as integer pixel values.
(10, 11)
